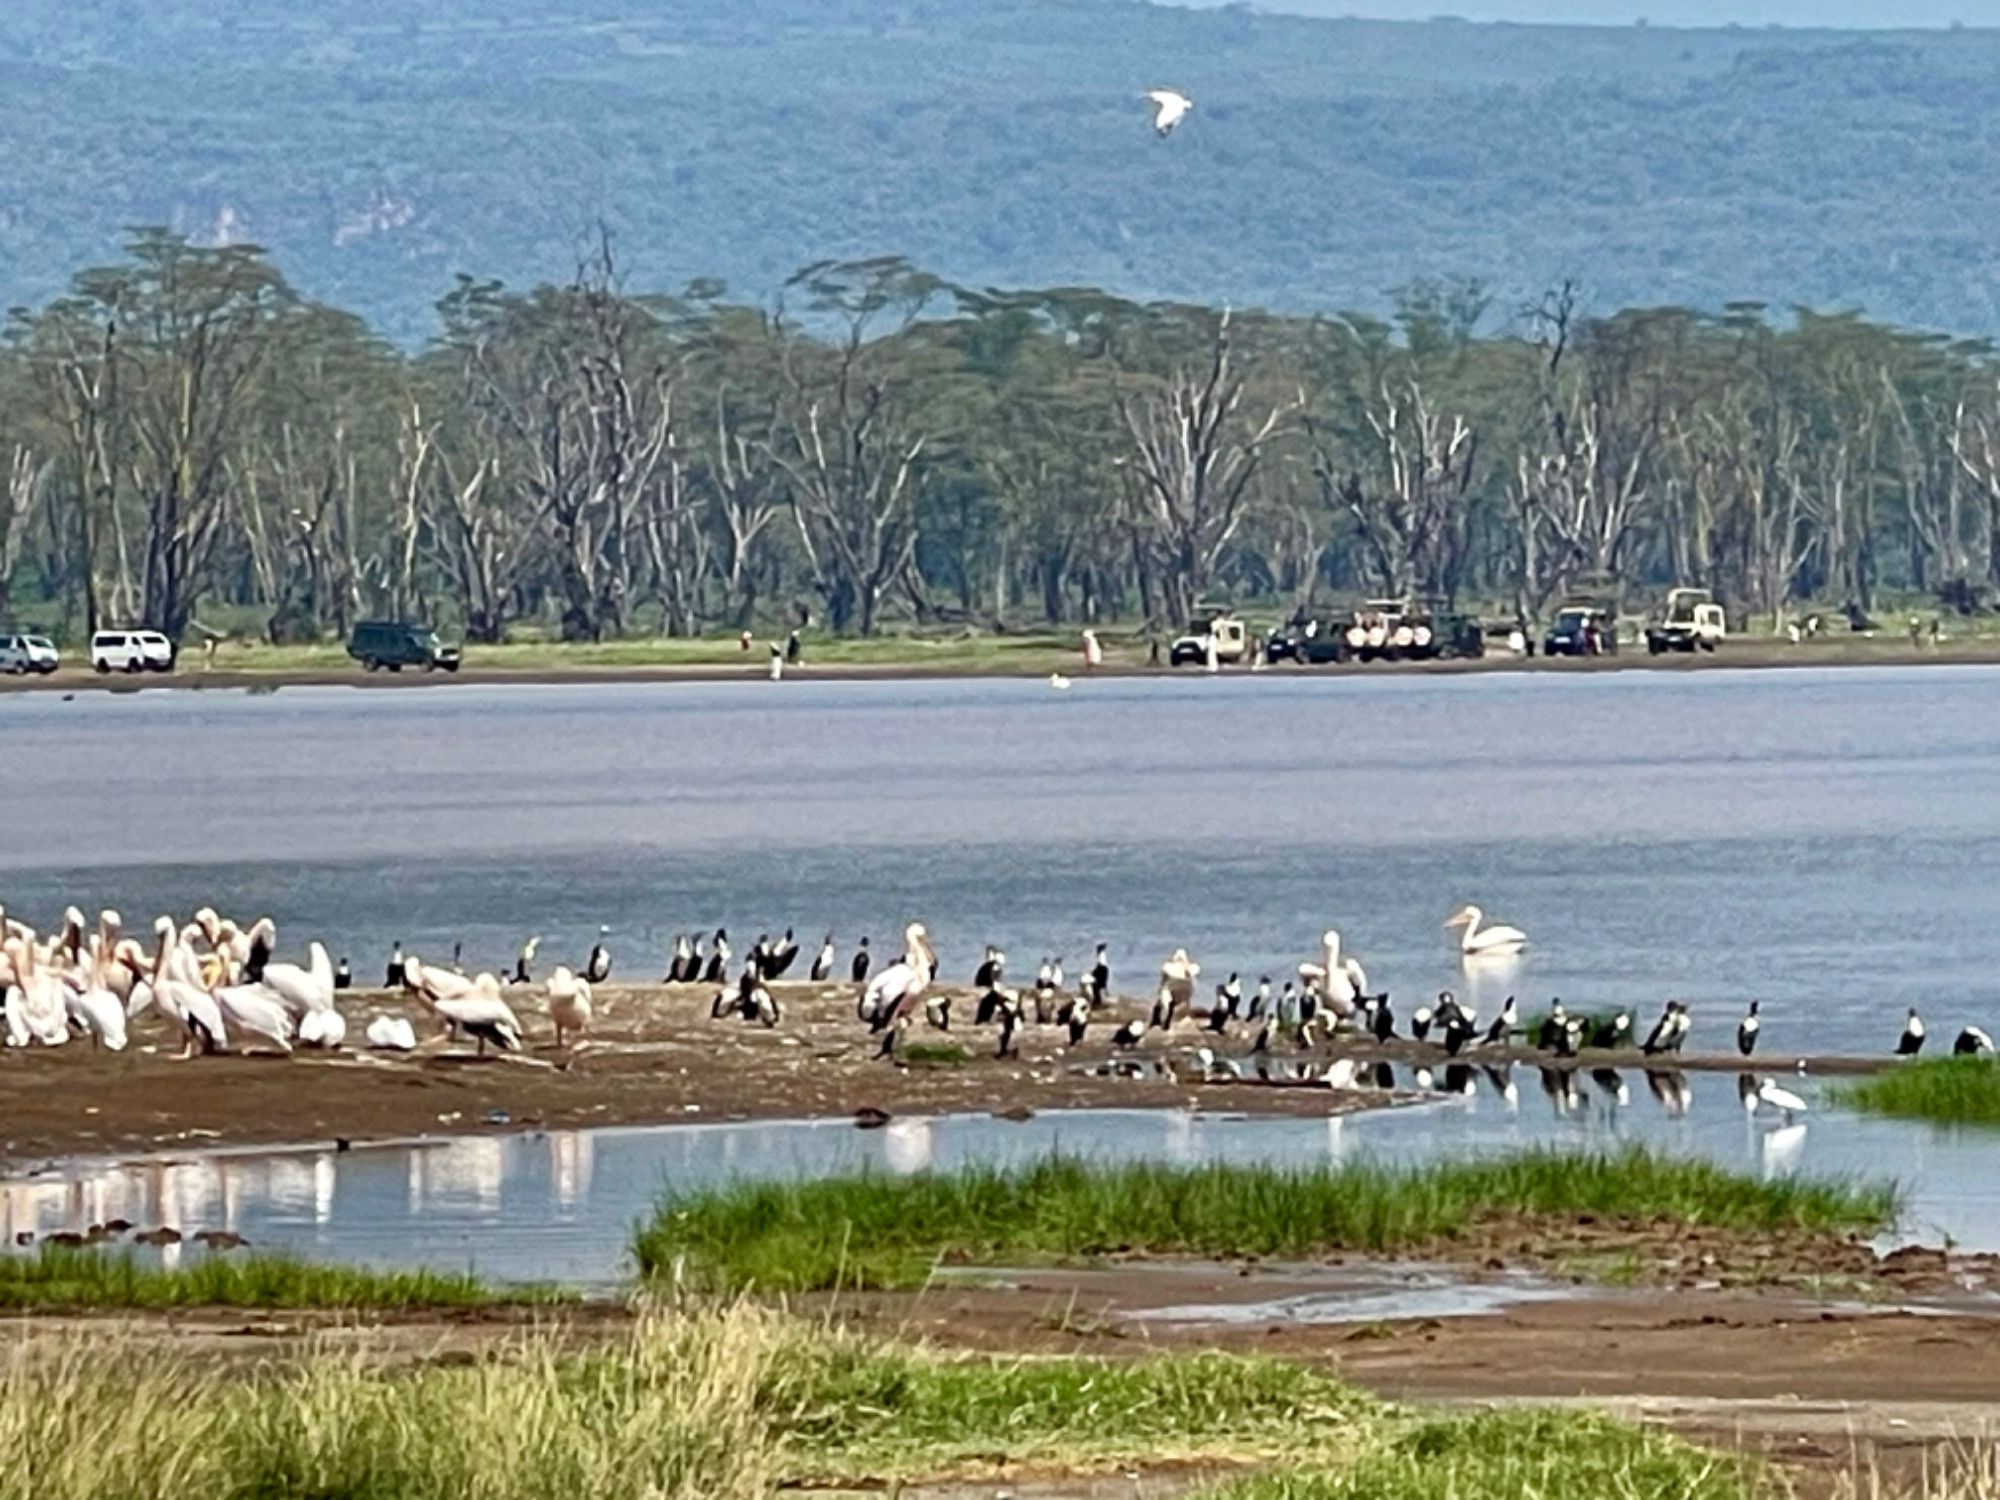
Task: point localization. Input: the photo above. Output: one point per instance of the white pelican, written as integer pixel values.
(1170, 107)
(1177, 977)
(180, 998)
(482, 1015)
(93, 1004)
(569, 1002)
(1485, 942)
(252, 1007)
(303, 989)
(896, 989)
(432, 984)
(391, 1034)
(38, 1005)
(1340, 981)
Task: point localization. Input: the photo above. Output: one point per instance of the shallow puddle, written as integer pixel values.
(562, 1204)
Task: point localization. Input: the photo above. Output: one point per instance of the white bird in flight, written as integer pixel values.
(1170, 106)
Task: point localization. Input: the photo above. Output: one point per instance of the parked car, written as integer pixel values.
(131, 651)
(1582, 630)
(21, 654)
(1227, 635)
(1690, 619)
(397, 644)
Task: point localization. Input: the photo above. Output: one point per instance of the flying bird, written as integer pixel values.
(1170, 107)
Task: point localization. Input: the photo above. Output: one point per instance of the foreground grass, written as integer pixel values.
(870, 1230)
(63, 1277)
(1948, 1090)
(742, 1402)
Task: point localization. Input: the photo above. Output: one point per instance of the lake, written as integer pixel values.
(1827, 841)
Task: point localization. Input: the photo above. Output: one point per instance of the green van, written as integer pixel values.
(395, 644)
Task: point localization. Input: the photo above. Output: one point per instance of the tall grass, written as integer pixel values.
(1500, 1455)
(1947, 1090)
(67, 1277)
(700, 1404)
(870, 1230)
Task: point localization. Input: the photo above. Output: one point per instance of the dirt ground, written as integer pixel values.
(1887, 649)
(653, 1056)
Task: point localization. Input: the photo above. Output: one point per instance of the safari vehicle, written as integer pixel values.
(398, 644)
(1583, 627)
(1229, 635)
(131, 651)
(20, 654)
(1690, 620)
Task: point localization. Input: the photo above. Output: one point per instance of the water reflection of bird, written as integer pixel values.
(1611, 1083)
(1497, 941)
(1672, 1090)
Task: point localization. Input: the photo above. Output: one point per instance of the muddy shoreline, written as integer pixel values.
(654, 1057)
(1745, 653)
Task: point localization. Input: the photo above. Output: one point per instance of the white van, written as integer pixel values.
(20, 654)
(131, 651)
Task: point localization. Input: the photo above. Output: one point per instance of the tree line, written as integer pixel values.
(183, 428)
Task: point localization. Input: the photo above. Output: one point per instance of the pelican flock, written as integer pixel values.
(213, 985)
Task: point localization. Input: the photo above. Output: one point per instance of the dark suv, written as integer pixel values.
(393, 644)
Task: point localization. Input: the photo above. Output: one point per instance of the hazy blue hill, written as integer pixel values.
(379, 146)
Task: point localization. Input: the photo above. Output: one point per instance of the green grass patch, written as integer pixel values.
(934, 1055)
(850, 1407)
(1520, 1455)
(1947, 1090)
(67, 1277)
(873, 1230)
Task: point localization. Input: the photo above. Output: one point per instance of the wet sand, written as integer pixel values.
(653, 1057)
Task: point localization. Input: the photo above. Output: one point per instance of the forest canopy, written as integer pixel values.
(183, 430)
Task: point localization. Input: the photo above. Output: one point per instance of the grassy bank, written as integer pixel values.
(59, 1277)
(1947, 1090)
(739, 1403)
(876, 1231)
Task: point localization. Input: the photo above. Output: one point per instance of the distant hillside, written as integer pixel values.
(379, 146)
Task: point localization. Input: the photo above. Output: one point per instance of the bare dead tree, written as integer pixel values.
(1409, 502)
(27, 477)
(1192, 459)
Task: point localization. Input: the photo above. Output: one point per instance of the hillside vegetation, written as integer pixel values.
(380, 146)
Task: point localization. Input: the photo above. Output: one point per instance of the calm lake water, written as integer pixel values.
(1827, 841)
(561, 1205)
